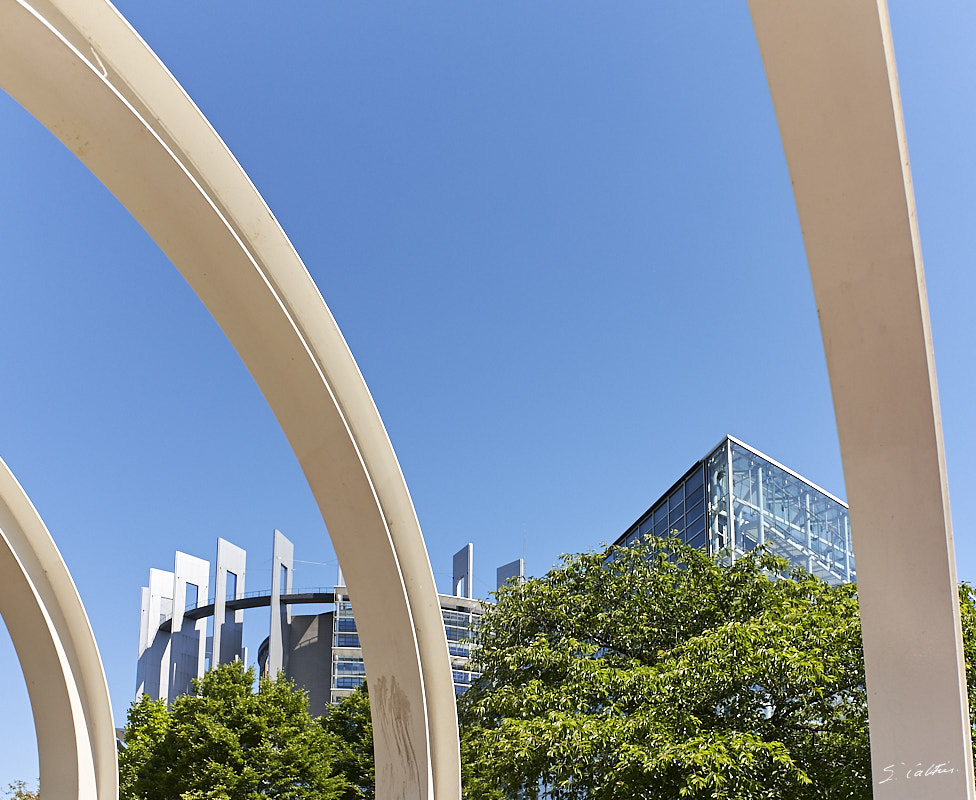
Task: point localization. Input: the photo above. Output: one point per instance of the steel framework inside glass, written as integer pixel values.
(764, 503)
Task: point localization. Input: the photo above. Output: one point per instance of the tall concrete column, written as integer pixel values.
(282, 564)
(188, 638)
(463, 572)
(152, 671)
(228, 626)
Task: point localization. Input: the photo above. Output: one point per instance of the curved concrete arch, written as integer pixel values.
(54, 642)
(831, 71)
(78, 67)
(81, 70)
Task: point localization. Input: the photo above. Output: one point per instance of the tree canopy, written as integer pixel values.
(657, 672)
(228, 742)
(19, 790)
(650, 672)
(350, 723)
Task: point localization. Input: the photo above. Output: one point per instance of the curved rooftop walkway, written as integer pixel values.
(257, 599)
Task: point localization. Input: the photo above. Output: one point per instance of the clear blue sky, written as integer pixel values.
(558, 236)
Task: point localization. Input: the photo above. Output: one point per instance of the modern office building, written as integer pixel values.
(319, 651)
(736, 498)
(732, 500)
(322, 653)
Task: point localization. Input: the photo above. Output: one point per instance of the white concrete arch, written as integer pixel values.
(81, 70)
(831, 71)
(54, 642)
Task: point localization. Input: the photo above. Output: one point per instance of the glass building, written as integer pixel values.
(460, 615)
(736, 498)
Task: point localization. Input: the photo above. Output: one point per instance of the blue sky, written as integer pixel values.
(558, 236)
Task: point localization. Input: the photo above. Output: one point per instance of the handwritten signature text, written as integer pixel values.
(894, 772)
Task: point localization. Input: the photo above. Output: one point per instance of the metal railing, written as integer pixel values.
(191, 606)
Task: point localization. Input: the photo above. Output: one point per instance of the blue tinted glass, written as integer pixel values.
(695, 510)
(694, 483)
(696, 527)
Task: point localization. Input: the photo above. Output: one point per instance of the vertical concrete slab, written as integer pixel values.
(513, 569)
(228, 626)
(188, 638)
(152, 672)
(463, 571)
(282, 564)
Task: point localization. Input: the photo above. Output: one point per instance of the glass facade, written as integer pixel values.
(736, 498)
(461, 627)
(681, 511)
(348, 671)
(460, 624)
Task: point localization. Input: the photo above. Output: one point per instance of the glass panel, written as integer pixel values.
(791, 516)
(698, 541)
(694, 483)
(696, 527)
(696, 510)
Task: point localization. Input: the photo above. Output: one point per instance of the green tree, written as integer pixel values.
(18, 790)
(350, 723)
(967, 613)
(228, 742)
(145, 731)
(657, 672)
